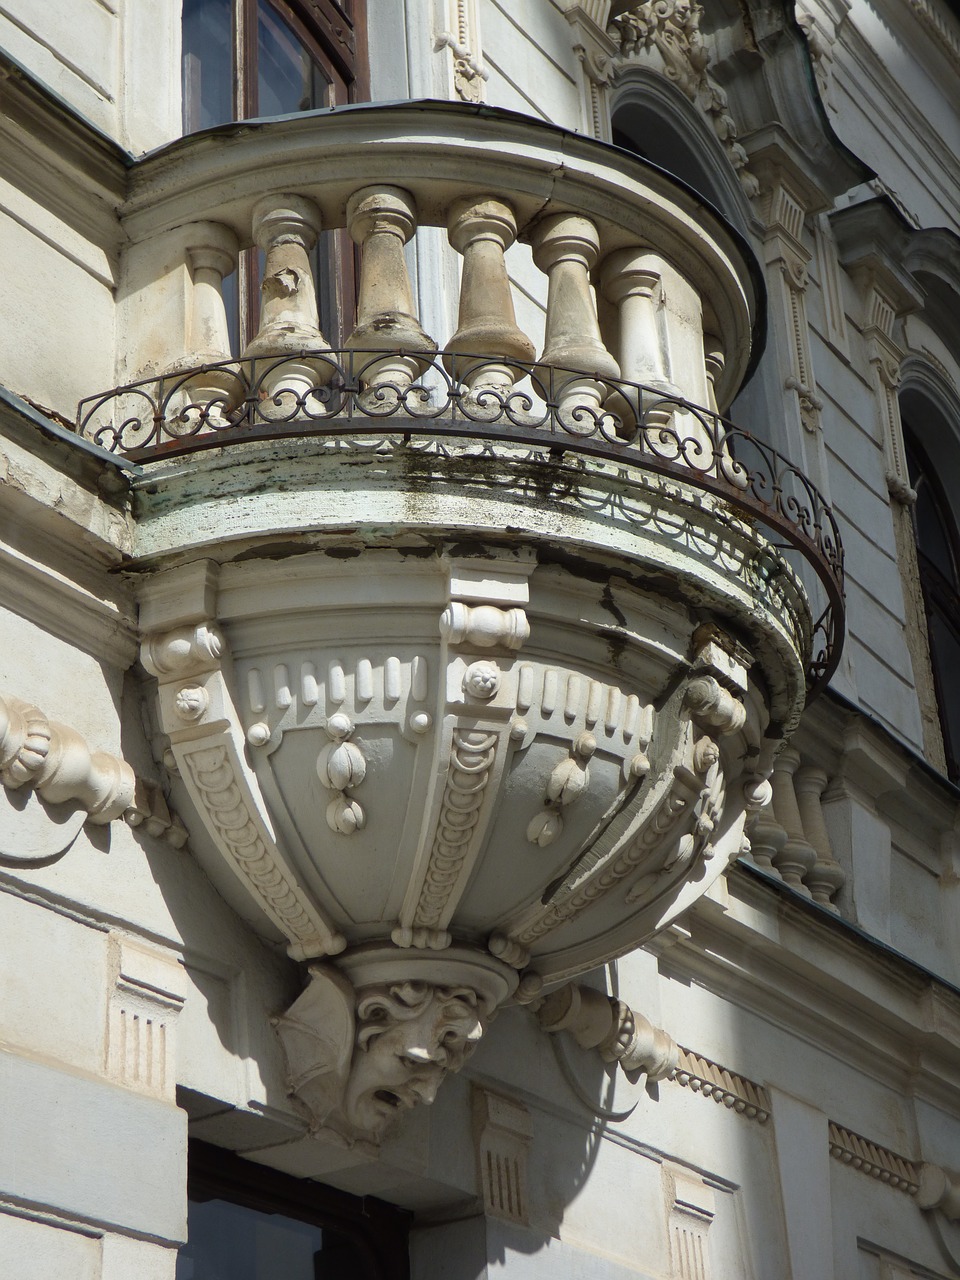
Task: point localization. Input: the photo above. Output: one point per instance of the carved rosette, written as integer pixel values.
(475, 805)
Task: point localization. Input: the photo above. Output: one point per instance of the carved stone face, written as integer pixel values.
(409, 1035)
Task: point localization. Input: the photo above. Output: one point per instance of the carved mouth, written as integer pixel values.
(391, 1099)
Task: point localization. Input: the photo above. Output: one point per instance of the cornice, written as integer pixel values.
(799, 968)
(60, 159)
(62, 539)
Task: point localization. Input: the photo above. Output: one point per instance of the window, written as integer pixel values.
(938, 559)
(247, 58)
(247, 1222)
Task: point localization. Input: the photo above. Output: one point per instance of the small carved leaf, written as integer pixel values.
(341, 765)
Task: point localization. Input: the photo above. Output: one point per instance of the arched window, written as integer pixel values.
(652, 118)
(938, 559)
(243, 59)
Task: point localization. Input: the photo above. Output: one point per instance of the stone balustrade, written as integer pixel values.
(788, 837)
(677, 300)
(656, 321)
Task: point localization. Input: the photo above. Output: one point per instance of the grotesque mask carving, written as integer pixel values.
(359, 1061)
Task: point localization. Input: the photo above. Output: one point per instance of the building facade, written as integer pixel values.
(480, 588)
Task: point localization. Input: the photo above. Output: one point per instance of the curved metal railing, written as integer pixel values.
(329, 393)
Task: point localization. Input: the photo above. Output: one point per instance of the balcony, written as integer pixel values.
(473, 660)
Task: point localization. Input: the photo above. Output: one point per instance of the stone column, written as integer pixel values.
(285, 227)
(797, 856)
(381, 220)
(566, 247)
(194, 398)
(482, 230)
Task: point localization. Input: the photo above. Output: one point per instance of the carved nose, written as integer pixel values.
(427, 1057)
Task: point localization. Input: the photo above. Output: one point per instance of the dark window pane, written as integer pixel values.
(232, 1242)
(945, 648)
(289, 78)
(207, 63)
(932, 537)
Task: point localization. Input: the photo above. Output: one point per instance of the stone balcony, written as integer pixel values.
(473, 658)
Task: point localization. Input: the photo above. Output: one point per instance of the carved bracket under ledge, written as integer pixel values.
(55, 783)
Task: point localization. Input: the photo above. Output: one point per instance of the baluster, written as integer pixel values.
(713, 359)
(631, 280)
(204, 398)
(381, 220)
(713, 356)
(826, 877)
(482, 230)
(566, 247)
(797, 856)
(285, 227)
(661, 345)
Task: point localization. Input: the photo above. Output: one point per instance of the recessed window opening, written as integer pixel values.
(248, 1222)
(650, 134)
(938, 558)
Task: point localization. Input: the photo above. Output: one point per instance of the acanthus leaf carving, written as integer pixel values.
(671, 28)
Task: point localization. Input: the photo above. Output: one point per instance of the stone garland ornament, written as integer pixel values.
(341, 765)
(566, 784)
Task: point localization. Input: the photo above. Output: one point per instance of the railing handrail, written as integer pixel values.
(634, 433)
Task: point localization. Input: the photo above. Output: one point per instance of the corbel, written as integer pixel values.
(618, 1033)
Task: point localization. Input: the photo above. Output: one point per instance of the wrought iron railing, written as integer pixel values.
(556, 413)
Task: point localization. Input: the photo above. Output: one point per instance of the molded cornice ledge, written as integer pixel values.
(28, 106)
(67, 525)
(802, 968)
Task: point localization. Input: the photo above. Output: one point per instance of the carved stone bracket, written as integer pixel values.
(55, 761)
(362, 1052)
(617, 1032)
(206, 738)
(462, 38)
(939, 1189)
(504, 1131)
